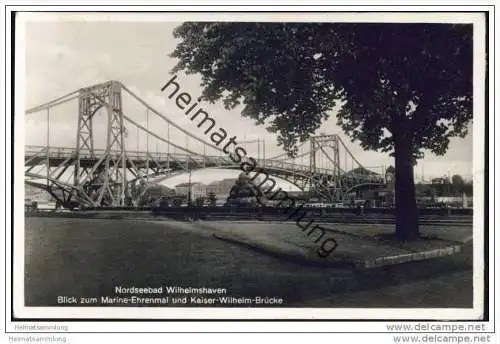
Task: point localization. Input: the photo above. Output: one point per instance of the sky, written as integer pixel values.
(63, 56)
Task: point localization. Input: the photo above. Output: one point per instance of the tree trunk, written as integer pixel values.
(406, 206)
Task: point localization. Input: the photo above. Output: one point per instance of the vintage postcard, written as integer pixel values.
(312, 165)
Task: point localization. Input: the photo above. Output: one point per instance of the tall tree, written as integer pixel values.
(390, 169)
(457, 179)
(400, 88)
(244, 192)
(457, 184)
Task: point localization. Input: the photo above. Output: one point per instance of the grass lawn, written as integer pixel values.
(88, 258)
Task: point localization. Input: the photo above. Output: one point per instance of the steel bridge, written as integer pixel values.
(93, 176)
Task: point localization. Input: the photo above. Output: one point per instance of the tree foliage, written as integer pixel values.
(199, 201)
(400, 88)
(212, 198)
(457, 179)
(244, 192)
(386, 78)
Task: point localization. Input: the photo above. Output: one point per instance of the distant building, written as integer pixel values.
(197, 190)
(32, 193)
(462, 202)
(384, 197)
(221, 188)
(182, 189)
(440, 180)
(379, 197)
(152, 193)
(298, 195)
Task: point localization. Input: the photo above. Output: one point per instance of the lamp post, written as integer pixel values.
(189, 189)
(450, 186)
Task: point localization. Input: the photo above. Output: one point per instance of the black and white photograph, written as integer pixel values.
(250, 165)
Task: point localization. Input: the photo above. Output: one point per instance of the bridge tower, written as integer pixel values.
(105, 182)
(326, 147)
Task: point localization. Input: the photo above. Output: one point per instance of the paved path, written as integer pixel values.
(336, 244)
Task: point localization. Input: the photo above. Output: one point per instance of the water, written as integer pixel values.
(90, 257)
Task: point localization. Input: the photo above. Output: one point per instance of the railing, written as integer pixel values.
(208, 161)
(63, 152)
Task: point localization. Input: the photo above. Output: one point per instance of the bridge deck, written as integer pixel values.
(37, 155)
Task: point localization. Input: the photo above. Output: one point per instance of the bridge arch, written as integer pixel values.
(275, 173)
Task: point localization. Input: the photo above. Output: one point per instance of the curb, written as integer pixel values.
(412, 257)
(346, 262)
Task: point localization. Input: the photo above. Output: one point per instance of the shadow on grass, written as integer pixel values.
(363, 279)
